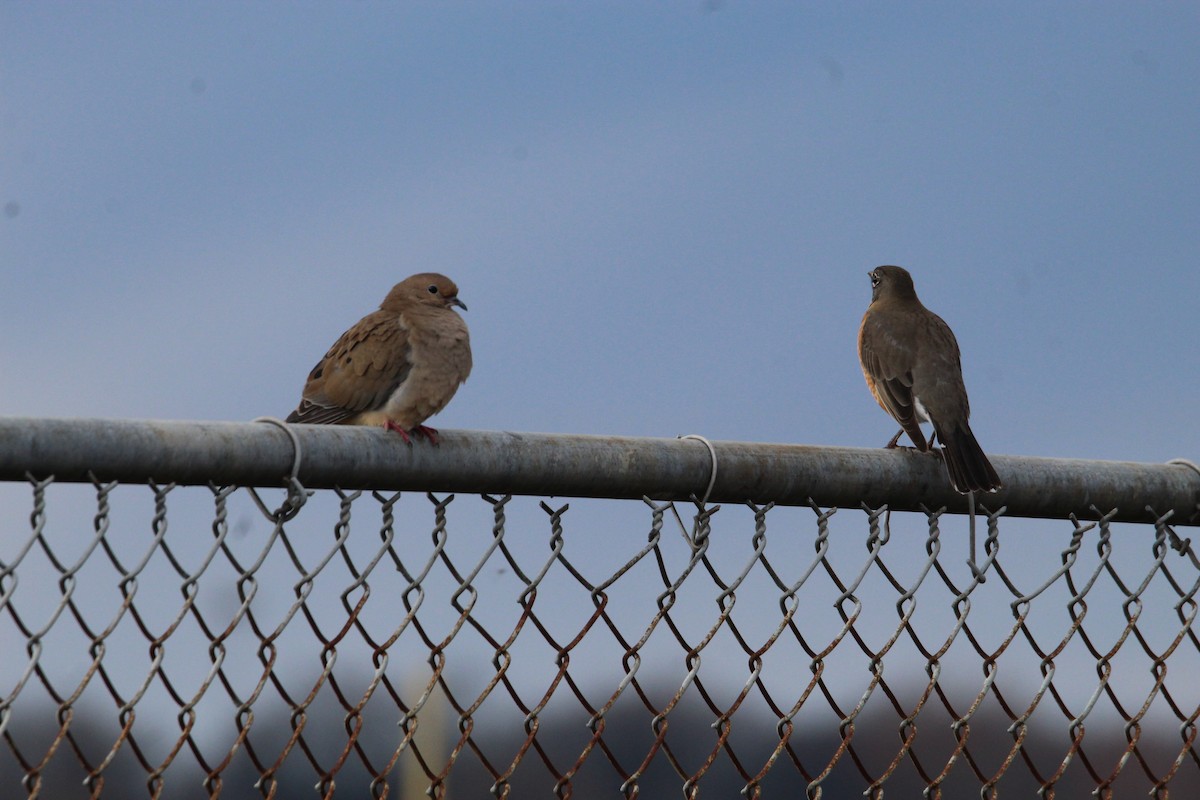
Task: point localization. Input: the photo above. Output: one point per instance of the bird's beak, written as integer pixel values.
(454, 301)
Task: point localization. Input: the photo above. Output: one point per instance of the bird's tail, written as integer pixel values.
(965, 461)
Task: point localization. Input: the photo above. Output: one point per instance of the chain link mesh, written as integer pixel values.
(197, 642)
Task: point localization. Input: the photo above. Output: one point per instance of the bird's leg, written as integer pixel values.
(391, 425)
(895, 442)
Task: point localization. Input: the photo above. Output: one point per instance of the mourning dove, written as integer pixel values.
(397, 366)
(911, 362)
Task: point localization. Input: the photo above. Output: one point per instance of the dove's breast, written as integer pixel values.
(440, 355)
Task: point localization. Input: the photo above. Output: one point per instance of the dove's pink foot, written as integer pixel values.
(429, 433)
(421, 430)
(391, 425)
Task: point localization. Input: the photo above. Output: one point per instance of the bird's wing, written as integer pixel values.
(939, 377)
(888, 363)
(359, 373)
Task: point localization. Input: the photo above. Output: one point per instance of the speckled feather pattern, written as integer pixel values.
(402, 363)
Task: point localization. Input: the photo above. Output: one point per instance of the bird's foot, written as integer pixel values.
(918, 445)
(391, 425)
(429, 433)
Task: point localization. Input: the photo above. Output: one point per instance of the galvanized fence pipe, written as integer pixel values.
(257, 454)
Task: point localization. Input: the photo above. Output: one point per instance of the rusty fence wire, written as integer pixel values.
(175, 639)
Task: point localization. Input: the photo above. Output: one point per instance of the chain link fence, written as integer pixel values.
(449, 630)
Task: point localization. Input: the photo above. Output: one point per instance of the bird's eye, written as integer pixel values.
(433, 288)
(874, 279)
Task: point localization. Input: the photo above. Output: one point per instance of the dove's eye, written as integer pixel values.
(433, 288)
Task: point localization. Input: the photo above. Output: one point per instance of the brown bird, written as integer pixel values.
(911, 362)
(397, 366)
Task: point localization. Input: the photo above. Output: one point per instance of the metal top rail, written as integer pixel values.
(256, 454)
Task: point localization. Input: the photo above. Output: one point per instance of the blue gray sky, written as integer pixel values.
(661, 215)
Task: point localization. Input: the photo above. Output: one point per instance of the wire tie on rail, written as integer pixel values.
(712, 452)
(297, 495)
